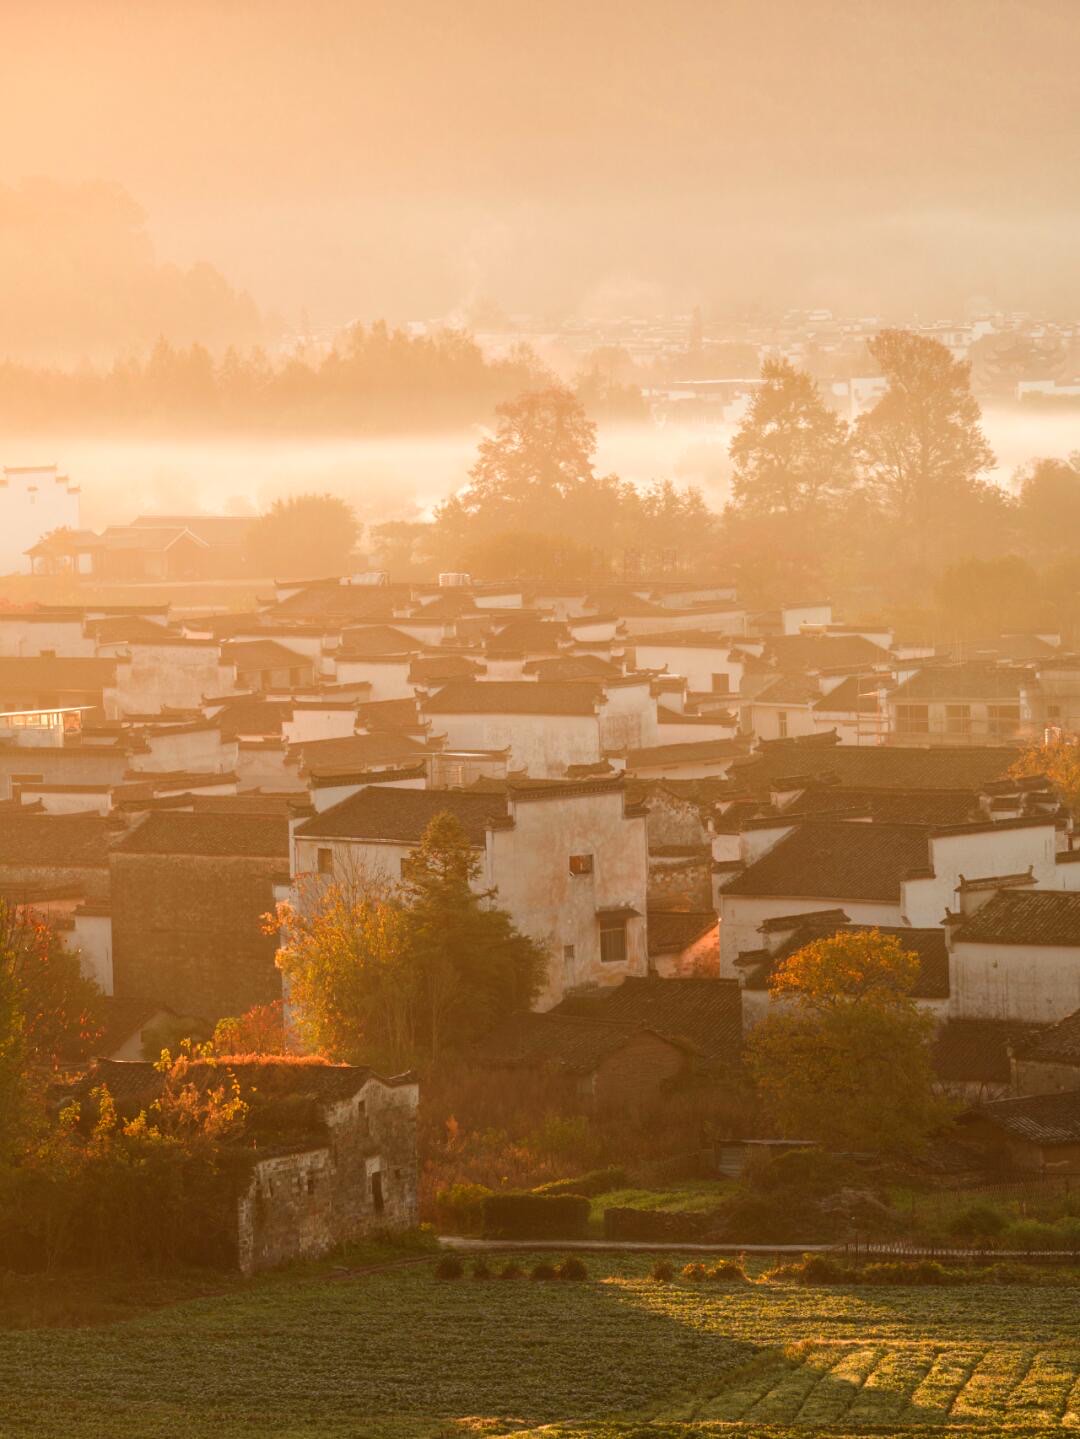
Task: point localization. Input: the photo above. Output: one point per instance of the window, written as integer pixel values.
(912, 719)
(324, 861)
(568, 954)
(721, 684)
(957, 719)
(376, 1192)
(581, 864)
(1003, 719)
(311, 1181)
(781, 723)
(612, 939)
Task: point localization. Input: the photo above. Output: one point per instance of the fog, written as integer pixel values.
(404, 477)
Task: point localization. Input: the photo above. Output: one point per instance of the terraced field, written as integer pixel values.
(399, 1355)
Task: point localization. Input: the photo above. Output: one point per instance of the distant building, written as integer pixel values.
(34, 500)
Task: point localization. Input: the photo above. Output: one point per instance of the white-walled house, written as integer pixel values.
(546, 726)
(569, 862)
(34, 499)
(1018, 957)
(167, 673)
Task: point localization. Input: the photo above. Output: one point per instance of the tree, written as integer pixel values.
(984, 598)
(259, 1030)
(60, 1006)
(305, 535)
(1050, 502)
(527, 475)
(921, 450)
(790, 454)
(351, 983)
(843, 1056)
(1059, 761)
(472, 964)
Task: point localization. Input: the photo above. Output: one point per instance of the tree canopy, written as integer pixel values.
(843, 1055)
(305, 535)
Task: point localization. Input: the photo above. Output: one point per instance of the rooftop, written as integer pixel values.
(173, 832)
(382, 812)
(835, 859)
(1028, 917)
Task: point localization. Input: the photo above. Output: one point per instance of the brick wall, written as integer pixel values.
(680, 882)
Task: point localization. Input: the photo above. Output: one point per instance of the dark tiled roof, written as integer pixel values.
(573, 667)
(962, 682)
(837, 860)
(63, 840)
(690, 752)
(577, 1042)
(795, 653)
(122, 1017)
(875, 766)
(977, 1050)
(672, 930)
(1040, 1119)
(383, 812)
(787, 690)
(389, 714)
(1059, 1044)
(374, 640)
(855, 694)
(115, 629)
(528, 637)
(263, 655)
(438, 669)
(705, 1014)
(253, 717)
(252, 836)
(1035, 917)
(527, 697)
(928, 944)
(359, 752)
(929, 807)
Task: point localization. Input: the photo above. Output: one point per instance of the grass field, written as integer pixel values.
(399, 1355)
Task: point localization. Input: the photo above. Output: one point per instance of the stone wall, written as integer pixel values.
(363, 1179)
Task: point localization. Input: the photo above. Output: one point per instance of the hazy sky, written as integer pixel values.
(402, 158)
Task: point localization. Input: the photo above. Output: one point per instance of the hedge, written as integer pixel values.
(535, 1216)
(597, 1181)
(656, 1226)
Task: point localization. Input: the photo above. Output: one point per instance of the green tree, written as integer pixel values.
(921, 450)
(529, 473)
(843, 1056)
(304, 535)
(982, 598)
(472, 964)
(790, 453)
(1050, 503)
(352, 986)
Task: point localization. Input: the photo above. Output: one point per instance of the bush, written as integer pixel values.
(1031, 1234)
(808, 1171)
(543, 1270)
(571, 1268)
(729, 1271)
(661, 1226)
(461, 1206)
(695, 1273)
(815, 1269)
(535, 1216)
(597, 1181)
(480, 1270)
(750, 1218)
(978, 1221)
(663, 1271)
(511, 1271)
(449, 1267)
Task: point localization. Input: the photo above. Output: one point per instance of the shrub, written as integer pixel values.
(461, 1206)
(729, 1271)
(661, 1226)
(597, 1181)
(810, 1171)
(543, 1270)
(480, 1270)
(695, 1273)
(978, 1221)
(770, 1218)
(449, 1267)
(572, 1268)
(1031, 1234)
(663, 1271)
(815, 1269)
(511, 1271)
(535, 1216)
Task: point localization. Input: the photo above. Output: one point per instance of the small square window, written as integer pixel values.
(581, 864)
